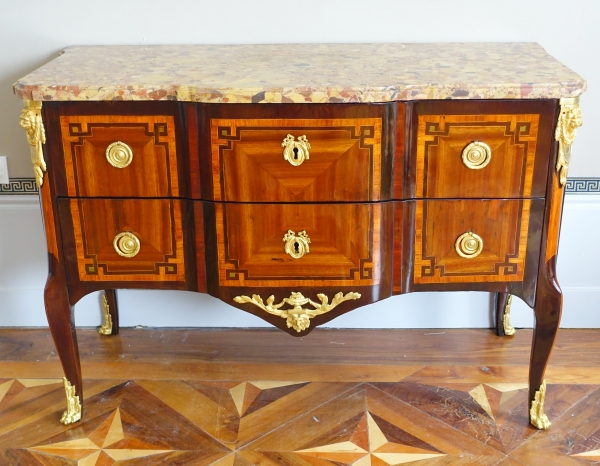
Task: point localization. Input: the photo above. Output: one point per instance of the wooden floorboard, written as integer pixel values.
(335, 397)
(366, 346)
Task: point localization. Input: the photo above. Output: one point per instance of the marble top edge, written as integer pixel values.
(302, 73)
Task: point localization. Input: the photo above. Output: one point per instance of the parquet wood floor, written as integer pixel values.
(336, 397)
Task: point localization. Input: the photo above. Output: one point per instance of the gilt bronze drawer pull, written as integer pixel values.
(119, 154)
(295, 152)
(296, 246)
(126, 244)
(468, 245)
(476, 155)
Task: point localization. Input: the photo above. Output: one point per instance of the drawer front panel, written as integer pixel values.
(120, 156)
(465, 241)
(341, 245)
(466, 150)
(340, 160)
(105, 233)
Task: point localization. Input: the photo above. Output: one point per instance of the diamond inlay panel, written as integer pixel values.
(245, 423)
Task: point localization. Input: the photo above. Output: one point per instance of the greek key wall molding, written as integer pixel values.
(574, 186)
(19, 186)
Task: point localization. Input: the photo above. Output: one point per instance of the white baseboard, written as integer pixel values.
(23, 272)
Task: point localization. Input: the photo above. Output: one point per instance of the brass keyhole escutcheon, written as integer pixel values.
(476, 155)
(468, 245)
(296, 245)
(126, 244)
(119, 154)
(295, 152)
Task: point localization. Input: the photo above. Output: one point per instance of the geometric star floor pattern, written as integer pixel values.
(242, 423)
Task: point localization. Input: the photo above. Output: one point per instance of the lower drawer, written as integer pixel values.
(463, 241)
(124, 240)
(295, 246)
(292, 245)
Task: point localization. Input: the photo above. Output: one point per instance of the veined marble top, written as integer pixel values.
(319, 73)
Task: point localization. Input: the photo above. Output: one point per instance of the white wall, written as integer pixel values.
(23, 272)
(33, 31)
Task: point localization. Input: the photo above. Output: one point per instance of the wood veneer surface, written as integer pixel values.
(152, 171)
(519, 135)
(345, 241)
(157, 223)
(344, 163)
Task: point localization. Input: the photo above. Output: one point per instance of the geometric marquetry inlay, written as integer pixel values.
(224, 423)
(502, 225)
(344, 164)
(344, 247)
(490, 395)
(87, 450)
(479, 395)
(152, 171)
(247, 395)
(30, 383)
(157, 223)
(4, 387)
(368, 445)
(441, 172)
(592, 455)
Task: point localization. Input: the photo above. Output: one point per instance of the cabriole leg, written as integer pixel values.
(110, 313)
(548, 298)
(548, 308)
(62, 326)
(56, 296)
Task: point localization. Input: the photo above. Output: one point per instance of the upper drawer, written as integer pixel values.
(482, 149)
(299, 156)
(120, 156)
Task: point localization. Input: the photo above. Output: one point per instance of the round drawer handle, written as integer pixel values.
(468, 245)
(476, 155)
(296, 246)
(119, 154)
(295, 152)
(126, 244)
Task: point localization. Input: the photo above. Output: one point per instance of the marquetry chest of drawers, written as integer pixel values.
(301, 192)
